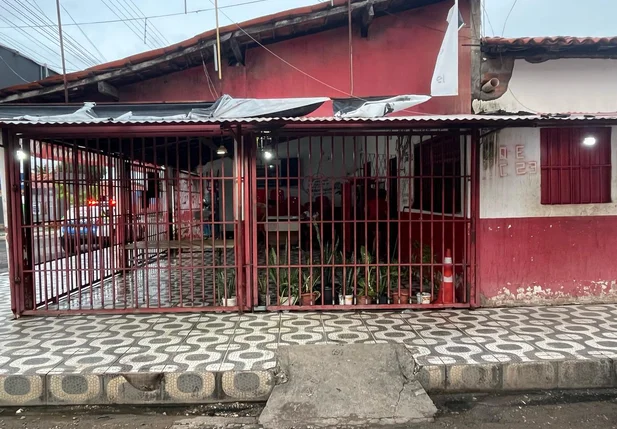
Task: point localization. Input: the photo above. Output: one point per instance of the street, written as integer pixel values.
(563, 410)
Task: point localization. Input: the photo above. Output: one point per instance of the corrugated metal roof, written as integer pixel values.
(399, 120)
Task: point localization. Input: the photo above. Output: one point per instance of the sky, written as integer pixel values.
(95, 40)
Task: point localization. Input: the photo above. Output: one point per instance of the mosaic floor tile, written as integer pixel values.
(204, 342)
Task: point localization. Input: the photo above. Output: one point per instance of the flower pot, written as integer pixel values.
(365, 300)
(348, 299)
(285, 300)
(401, 297)
(264, 299)
(383, 299)
(229, 302)
(309, 298)
(328, 296)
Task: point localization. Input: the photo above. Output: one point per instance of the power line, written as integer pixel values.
(14, 72)
(33, 39)
(70, 41)
(121, 7)
(503, 30)
(45, 32)
(488, 18)
(300, 70)
(111, 21)
(86, 36)
(10, 42)
(143, 15)
(126, 23)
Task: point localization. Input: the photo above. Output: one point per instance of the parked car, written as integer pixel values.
(89, 225)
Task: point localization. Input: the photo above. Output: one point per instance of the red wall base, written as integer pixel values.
(536, 261)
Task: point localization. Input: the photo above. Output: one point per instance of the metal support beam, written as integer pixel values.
(108, 90)
(368, 13)
(237, 51)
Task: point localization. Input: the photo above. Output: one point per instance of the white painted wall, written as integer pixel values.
(222, 167)
(562, 85)
(506, 194)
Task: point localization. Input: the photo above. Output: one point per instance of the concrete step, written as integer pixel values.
(362, 385)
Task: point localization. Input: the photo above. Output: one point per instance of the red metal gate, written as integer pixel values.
(281, 221)
(363, 220)
(124, 225)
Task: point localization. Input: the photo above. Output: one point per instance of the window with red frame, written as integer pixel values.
(573, 172)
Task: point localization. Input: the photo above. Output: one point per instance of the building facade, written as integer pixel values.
(549, 196)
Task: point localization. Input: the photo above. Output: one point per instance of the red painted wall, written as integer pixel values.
(550, 260)
(445, 235)
(398, 57)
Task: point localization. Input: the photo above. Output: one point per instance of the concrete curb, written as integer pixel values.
(142, 388)
(255, 386)
(519, 376)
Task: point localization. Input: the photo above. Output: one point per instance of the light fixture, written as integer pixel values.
(268, 155)
(21, 155)
(221, 151)
(589, 141)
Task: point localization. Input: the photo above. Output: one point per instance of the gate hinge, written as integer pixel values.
(15, 188)
(17, 279)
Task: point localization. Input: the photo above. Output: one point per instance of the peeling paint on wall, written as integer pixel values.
(592, 293)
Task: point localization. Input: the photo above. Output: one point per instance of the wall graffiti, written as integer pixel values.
(521, 165)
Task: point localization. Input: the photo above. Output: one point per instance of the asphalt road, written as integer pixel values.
(562, 410)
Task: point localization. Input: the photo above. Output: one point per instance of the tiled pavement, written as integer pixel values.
(105, 346)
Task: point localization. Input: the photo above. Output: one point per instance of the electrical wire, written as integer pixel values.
(69, 40)
(121, 8)
(85, 35)
(36, 41)
(126, 23)
(166, 15)
(45, 32)
(14, 72)
(302, 71)
(488, 18)
(503, 30)
(18, 46)
(138, 12)
(154, 35)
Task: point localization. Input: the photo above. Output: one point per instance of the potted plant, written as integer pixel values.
(388, 275)
(262, 284)
(350, 275)
(367, 284)
(226, 287)
(328, 257)
(421, 276)
(309, 294)
(290, 285)
(288, 279)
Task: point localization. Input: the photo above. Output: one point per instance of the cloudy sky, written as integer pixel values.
(112, 29)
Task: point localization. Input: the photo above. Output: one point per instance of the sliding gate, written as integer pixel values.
(122, 225)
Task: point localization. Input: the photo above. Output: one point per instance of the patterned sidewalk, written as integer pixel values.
(109, 345)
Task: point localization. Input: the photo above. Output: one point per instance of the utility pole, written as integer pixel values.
(218, 39)
(66, 89)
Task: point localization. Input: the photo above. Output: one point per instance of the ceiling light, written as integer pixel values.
(268, 155)
(589, 141)
(21, 155)
(221, 151)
